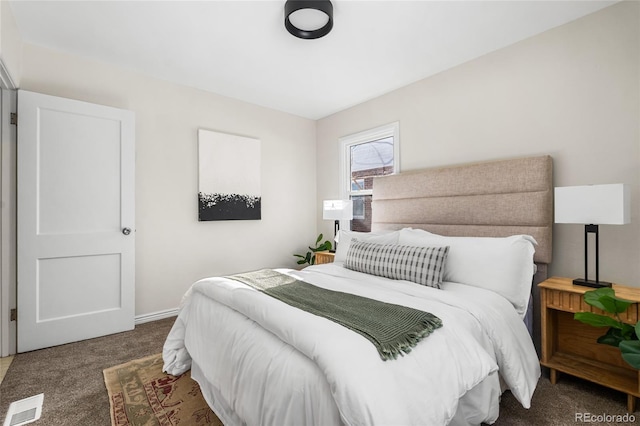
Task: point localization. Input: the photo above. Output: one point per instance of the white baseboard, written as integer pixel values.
(155, 316)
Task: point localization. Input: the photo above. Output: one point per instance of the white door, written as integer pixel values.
(76, 245)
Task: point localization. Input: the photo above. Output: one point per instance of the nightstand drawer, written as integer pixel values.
(324, 257)
(561, 300)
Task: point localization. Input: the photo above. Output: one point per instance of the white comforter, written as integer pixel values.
(481, 333)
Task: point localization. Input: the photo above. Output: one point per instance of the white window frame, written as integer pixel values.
(371, 135)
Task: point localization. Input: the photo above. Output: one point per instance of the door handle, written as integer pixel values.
(126, 231)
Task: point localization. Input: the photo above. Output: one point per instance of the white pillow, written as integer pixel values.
(344, 240)
(503, 265)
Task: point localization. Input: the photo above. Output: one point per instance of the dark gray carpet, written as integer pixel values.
(70, 376)
(558, 404)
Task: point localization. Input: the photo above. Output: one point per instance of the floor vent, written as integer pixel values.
(24, 411)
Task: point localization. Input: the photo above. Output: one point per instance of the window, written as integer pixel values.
(363, 156)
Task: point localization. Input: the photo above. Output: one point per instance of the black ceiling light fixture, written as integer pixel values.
(308, 19)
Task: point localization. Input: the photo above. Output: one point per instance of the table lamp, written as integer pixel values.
(593, 205)
(337, 210)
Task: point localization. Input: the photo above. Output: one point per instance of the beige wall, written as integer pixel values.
(173, 249)
(10, 43)
(572, 92)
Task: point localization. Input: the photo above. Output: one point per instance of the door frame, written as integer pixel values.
(8, 191)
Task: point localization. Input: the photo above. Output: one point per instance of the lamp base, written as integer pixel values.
(591, 283)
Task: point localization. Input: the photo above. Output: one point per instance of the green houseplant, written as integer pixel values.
(310, 256)
(619, 334)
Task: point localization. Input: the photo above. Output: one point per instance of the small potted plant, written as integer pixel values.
(619, 334)
(310, 256)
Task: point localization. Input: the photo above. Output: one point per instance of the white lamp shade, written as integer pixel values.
(337, 210)
(593, 204)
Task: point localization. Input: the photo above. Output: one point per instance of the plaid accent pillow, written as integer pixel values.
(422, 265)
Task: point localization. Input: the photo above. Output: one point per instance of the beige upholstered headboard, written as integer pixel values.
(490, 199)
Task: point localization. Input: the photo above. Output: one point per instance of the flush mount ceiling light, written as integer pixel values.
(308, 19)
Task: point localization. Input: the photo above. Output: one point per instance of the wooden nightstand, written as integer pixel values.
(324, 257)
(570, 346)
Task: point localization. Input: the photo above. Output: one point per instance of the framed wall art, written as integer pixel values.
(228, 177)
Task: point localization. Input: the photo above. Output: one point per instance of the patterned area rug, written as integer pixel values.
(141, 394)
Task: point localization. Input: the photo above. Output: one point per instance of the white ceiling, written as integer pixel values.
(241, 49)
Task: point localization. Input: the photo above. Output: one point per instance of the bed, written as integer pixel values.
(261, 361)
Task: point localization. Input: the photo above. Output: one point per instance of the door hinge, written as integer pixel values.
(14, 119)
(13, 315)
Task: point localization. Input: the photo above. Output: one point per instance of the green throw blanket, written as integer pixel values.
(393, 329)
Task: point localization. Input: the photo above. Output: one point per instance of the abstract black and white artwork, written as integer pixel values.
(229, 177)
